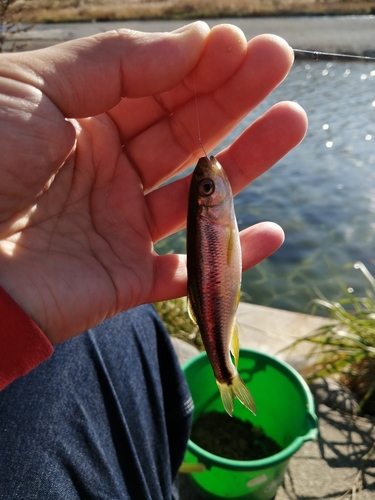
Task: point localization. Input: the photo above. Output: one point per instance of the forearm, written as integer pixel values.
(23, 345)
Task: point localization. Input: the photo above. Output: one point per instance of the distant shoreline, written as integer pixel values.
(45, 11)
(339, 34)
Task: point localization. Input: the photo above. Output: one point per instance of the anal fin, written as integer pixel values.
(235, 344)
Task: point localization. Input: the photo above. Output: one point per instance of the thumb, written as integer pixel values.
(88, 76)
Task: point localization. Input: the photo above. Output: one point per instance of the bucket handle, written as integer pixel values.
(188, 468)
(312, 421)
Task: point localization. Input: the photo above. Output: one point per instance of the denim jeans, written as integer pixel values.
(106, 417)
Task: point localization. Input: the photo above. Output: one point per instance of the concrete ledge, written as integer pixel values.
(271, 330)
(267, 330)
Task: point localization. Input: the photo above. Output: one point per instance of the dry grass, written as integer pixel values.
(345, 347)
(175, 317)
(9, 25)
(87, 10)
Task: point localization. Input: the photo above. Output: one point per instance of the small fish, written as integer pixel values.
(214, 275)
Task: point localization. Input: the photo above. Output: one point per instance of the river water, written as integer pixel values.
(322, 193)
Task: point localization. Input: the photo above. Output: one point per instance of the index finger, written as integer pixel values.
(266, 63)
(88, 76)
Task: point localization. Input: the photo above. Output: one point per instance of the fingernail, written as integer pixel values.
(202, 26)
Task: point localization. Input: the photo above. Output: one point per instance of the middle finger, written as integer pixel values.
(225, 49)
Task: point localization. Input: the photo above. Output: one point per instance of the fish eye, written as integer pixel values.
(206, 187)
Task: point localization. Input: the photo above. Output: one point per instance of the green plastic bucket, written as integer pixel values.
(285, 411)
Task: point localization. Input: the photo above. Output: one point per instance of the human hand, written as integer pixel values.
(90, 129)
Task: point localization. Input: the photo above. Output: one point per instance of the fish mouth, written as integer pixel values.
(208, 165)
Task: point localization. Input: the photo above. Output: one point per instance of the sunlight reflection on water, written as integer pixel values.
(322, 193)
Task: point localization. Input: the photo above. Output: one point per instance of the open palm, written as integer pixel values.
(89, 132)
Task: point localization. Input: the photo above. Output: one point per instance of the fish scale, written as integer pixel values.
(214, 275)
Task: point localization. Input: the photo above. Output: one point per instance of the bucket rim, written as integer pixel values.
(209, 459)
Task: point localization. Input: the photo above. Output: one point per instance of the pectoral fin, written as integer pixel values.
(238, 297)
(190, 311)
(230, 247)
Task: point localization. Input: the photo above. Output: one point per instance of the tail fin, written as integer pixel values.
(237, 389)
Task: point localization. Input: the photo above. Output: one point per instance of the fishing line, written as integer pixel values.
(198, 123)
(316, 54)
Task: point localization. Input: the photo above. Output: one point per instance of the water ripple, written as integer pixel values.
(322, 193)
